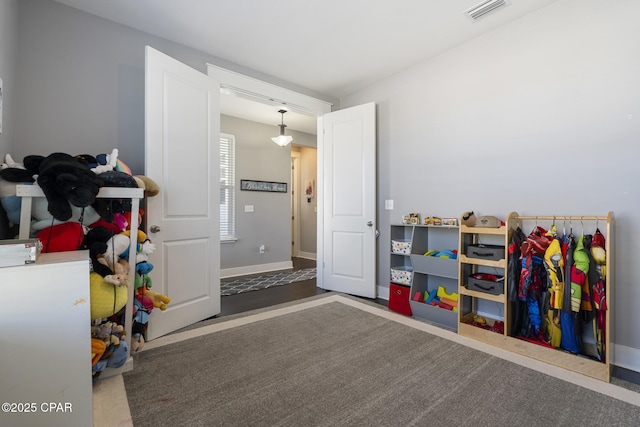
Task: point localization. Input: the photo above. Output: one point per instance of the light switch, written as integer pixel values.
(248, 208)
(388, 205)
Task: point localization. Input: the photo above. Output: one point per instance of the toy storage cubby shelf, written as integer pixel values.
(28, 192)
(469, 235)
(473, 301)
(428, 272)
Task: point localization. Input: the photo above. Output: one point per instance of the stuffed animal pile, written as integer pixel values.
(71, 217)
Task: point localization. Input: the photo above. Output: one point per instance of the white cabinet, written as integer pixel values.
(45, 341)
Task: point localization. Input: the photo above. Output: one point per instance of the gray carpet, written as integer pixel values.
(237, 285)
(335, 365)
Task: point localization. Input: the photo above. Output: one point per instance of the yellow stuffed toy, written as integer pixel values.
(106, 298)
(159, 300)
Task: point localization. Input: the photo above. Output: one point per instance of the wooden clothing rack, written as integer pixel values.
(593, 368)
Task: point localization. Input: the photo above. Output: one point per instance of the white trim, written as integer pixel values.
(254, 269)
(383, 292)
(625, 357)
(320, 204)
(296, 156)
(250, 88)
(307, 255)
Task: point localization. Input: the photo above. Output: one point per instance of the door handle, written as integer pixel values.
(154, 229)
(370, 224)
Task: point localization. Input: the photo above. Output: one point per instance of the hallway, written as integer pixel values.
(233, 304)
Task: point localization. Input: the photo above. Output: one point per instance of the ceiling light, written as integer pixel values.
(282, 139)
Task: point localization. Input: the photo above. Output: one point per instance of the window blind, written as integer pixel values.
(227, 186)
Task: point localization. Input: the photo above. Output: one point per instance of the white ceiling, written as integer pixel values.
(332, 47)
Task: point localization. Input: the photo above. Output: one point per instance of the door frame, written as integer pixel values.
(249, 88)
(295, 203)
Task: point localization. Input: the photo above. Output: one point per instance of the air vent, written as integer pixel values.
(484, 8)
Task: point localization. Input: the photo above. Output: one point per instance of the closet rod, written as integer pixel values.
(564, 218)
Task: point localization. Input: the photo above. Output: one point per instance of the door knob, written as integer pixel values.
(154, 229)
(369, 224)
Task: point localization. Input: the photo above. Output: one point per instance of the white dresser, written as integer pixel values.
(45, 342)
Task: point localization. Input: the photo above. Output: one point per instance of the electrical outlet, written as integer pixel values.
(261, 249)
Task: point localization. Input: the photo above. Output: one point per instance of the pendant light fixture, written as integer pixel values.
(282, 139)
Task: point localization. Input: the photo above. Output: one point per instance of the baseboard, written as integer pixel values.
(626, 357)
(383, 292)
(307, 255)
(255, 269)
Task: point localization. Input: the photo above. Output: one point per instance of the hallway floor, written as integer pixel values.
(233, 304)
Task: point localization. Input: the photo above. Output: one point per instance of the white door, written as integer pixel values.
(183, 220)
(348, 247)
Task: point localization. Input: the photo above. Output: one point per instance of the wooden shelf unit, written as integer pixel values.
(576, 363)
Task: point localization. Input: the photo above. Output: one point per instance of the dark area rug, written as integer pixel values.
(336, 365)
(237, 285)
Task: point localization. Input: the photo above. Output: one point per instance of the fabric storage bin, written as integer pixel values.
(488, 252)
(402, 247)
(399, 299)
(402, 275)
(486, 286)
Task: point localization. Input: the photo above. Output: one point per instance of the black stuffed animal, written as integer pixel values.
(107, 207)
(96, 241)
(64, 180)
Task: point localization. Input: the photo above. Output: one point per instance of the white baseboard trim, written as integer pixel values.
(626, 357)
(254, 269)
(383, 292)
(307, 255)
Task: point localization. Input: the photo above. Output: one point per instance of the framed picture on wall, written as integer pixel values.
(273, 187)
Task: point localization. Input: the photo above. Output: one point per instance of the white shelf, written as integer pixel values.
(28, 192)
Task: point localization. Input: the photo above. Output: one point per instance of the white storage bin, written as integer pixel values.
(402, 275)
(402, 247)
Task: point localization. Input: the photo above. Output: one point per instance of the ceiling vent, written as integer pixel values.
(482, 9)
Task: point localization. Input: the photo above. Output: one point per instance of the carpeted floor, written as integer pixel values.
(236, 285)
(333, 361)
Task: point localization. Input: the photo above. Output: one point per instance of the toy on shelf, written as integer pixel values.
(447, 253)
(438, 298)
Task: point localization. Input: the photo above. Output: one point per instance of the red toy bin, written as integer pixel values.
(399, 299)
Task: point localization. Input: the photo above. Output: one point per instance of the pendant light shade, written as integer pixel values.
(282, 139)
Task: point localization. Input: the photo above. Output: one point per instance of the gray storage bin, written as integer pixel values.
(488, 252)
(486, 286)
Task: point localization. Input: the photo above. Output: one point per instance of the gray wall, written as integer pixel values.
(8, 59)
(541, 116)
(81, 86)
(81, 82)
(258, 158)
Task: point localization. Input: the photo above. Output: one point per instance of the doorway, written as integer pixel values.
(304, 207)
(295, 203)
(258, 158)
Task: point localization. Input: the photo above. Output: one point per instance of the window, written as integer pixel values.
(227, 187)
